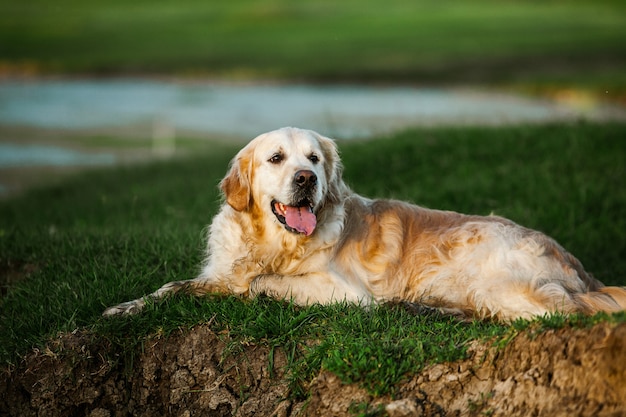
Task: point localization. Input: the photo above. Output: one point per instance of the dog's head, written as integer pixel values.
(288, 175)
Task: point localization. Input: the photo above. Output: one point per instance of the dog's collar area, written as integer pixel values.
(296, 219)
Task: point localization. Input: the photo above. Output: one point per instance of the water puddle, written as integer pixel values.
(244, 111)
(16, 155)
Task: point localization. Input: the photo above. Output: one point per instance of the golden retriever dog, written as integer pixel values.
(291, 228)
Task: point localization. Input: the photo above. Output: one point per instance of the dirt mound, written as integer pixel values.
(184, 374)
(568, 372)
(557, 373)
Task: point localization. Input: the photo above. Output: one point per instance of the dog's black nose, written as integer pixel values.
(305, 178)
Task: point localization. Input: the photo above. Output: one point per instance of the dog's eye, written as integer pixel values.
(314, 158)
(277, 158)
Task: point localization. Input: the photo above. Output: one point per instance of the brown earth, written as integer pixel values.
(566, 372)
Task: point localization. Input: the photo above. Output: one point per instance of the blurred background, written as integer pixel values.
(100, 82)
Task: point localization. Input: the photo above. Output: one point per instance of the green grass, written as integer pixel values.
(484, 40)
(68, 251)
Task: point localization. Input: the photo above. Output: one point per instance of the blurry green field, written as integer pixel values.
(573, 41)
(68, 251)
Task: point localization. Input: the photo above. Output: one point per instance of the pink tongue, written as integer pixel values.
(300, 218)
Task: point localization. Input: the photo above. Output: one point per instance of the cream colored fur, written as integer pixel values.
(367, 251)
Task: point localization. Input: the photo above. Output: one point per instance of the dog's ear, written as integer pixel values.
(333, 170)
(236, 186)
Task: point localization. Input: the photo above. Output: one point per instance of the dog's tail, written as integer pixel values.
(607, 299)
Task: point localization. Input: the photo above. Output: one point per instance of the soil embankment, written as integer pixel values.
(567, 372)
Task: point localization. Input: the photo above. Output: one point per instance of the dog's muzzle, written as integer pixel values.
(298, 216)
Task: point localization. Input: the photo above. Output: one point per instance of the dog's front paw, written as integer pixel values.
(273, 286)
(256, 288)
(129, 307)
